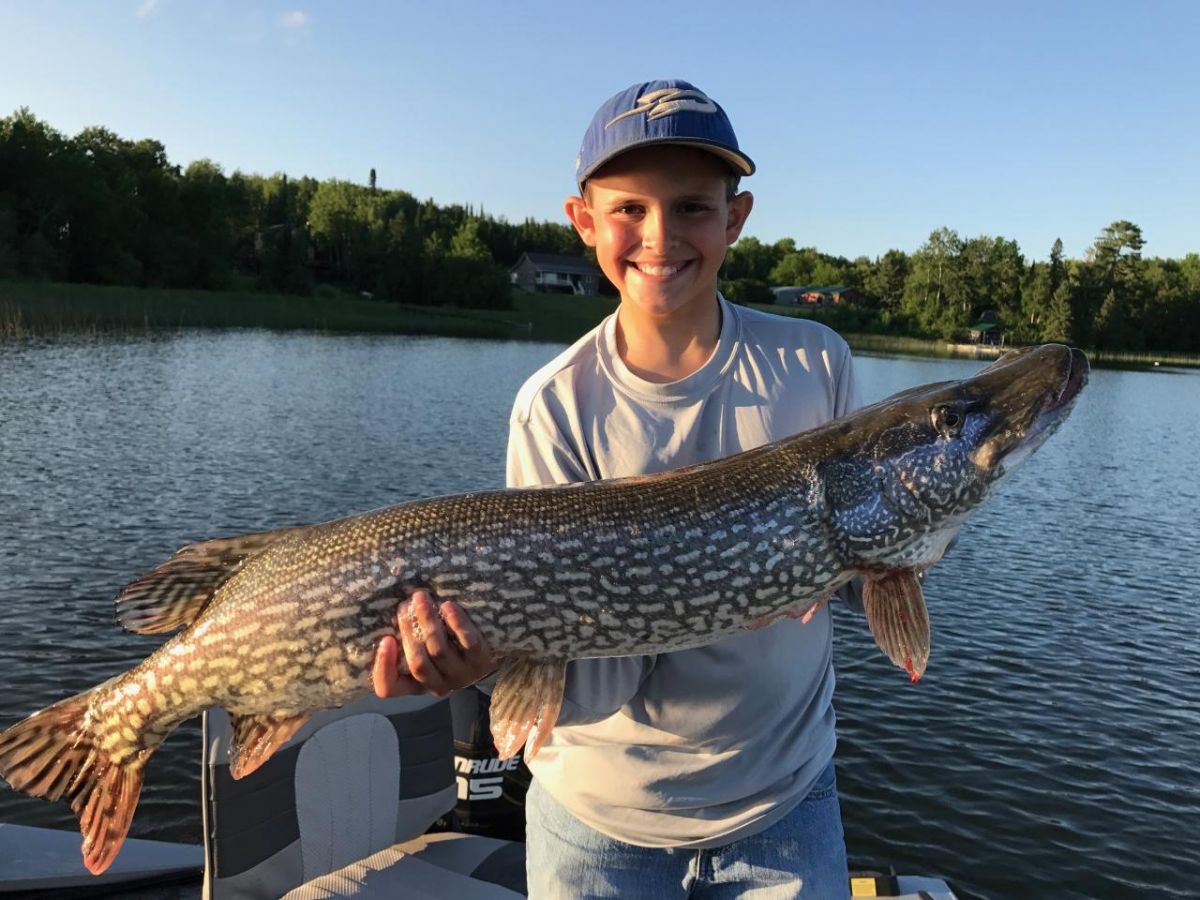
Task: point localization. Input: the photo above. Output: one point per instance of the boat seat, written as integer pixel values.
(341, 810)
(438, 867)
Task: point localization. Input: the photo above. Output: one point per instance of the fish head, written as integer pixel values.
(913, 467)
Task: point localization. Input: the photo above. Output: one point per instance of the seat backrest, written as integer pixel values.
(351, 782)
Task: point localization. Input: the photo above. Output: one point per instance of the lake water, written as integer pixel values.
(1051, 750)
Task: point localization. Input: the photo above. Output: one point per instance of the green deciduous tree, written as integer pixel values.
(933, 293)
(203, 199)
(746, 291)
(467, 244)
(808, 266)
(885, 280)
(750, 258)
(952, 282)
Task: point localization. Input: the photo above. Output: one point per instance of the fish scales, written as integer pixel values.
(589, 606)
(280, 624)
(535, 576)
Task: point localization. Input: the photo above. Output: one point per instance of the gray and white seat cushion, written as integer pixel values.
(341, 811)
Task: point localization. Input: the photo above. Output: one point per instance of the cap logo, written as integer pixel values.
(667, 101)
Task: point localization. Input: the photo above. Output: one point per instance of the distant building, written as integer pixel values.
(987, 333)
(555, 274)
(816, 295)
(987, 330)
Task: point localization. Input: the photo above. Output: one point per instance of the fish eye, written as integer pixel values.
(948, 420)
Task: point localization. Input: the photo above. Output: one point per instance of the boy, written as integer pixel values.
(706, 772)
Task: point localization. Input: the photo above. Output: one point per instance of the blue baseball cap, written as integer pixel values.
(658, 112)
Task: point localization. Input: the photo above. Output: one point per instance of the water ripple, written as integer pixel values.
(1049, 752)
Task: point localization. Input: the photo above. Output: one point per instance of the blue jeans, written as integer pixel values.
(801, 855)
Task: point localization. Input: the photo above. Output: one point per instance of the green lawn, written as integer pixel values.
(557, 317)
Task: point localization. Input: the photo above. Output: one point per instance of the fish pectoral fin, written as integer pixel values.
(176, 592)
(899, 620)
(525, 704)
(256, 738)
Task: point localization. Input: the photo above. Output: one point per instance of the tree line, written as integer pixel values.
(1113, 298)
(99, 208)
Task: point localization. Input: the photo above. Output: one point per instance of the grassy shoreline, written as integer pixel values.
(913, 346)
(42, 309)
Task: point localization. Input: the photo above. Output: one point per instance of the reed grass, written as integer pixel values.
(894, 343)
(39, 309)
(1122, 358)
(873, 342)
(907, 346)
(42, 309)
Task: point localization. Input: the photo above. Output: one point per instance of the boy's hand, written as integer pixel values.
(442, 651)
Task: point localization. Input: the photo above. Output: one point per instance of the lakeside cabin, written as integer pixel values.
(816, 295)
(551, 273)
(987, 333)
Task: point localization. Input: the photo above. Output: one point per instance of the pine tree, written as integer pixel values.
(1057, 269)
(1058, 324)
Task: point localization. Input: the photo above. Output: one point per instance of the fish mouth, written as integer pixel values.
(1048, 399)
(1077, 379)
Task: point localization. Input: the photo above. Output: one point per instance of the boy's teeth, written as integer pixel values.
(657, 270)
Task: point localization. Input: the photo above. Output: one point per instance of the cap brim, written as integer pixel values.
(738, 161)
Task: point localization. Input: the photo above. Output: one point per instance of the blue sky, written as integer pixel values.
(872, 123)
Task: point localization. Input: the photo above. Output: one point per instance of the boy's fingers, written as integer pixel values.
(464, 631)
(442, 647)
(383, 669)
(429, 628)
(476, 658)
(413, 637)
(386, 679)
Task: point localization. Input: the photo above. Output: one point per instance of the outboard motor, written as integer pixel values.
(491, 791)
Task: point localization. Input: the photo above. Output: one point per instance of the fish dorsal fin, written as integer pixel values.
(525, 704)
(174, 594)
(896, 613)
(256, 738)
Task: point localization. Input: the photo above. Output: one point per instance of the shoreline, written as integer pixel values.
(54, 309)
(40, 310)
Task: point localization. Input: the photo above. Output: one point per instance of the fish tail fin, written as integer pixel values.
(58, 753)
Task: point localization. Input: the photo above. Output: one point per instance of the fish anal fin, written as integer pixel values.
(59, 753)
(175, 593)
(525, 704)
(898, 618)
(256, 738)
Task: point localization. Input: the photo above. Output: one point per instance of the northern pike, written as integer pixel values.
(279, 624)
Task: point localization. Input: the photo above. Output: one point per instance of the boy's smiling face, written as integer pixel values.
(660, 219)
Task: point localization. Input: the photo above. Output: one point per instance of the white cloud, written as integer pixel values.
(294, 19)
(146, 8)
